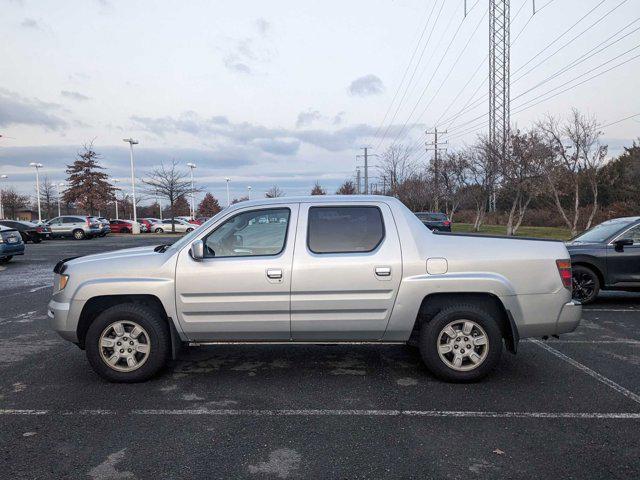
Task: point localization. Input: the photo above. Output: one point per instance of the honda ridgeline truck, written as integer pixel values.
(322, 269)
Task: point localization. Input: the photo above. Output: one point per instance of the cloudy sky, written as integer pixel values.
(286, 92)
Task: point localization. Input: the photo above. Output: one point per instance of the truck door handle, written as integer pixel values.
(383, 271)
(274, 273)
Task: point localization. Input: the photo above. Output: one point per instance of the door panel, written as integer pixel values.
(624, 267)
(344, 296)
(237, 297)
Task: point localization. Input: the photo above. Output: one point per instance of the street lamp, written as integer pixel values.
(135, 228)
(58, 185)
(228, 199)
(37, 166)
(193, 193)
(249, 192)
(115, 180)
(2, 177)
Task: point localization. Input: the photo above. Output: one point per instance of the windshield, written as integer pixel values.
(191, 236)
(601, 232)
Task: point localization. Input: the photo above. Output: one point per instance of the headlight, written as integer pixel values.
(61, 281)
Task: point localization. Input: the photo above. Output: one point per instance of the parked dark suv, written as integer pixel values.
(435, 221)
(606, 257)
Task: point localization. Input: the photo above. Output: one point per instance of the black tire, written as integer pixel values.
(586, 284)
(189, 230)
(36, 240)
(159, 230)
(25, 237)
(430, 339)
(6, 259)
(78, 234)
(159, 339)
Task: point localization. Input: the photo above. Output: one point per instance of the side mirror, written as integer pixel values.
(197, 250)
(623, 242)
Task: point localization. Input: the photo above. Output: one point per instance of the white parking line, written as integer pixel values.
(329, 413)
(601, 378)
(611, 310)
(594, 342)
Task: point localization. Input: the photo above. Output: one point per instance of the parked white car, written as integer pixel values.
(181, 226)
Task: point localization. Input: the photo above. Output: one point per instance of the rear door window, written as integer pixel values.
(344, 229)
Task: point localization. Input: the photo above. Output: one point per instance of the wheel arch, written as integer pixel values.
(96, 305)
(591, 266)
(433, 303)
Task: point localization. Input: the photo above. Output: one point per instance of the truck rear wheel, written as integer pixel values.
(462, 343)
(128, 343)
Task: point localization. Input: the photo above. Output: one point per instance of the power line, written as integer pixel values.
(572, 40)
(431, 78)
(406, 70)
(412, 75)
(621, 120)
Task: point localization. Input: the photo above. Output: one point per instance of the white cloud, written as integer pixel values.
(365, 86)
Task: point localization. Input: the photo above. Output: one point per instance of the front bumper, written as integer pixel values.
(58, 313)
(569, 317)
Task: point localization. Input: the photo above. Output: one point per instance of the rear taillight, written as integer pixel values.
(39, 229)
(88, 222)
(447, 223)
(564, 269)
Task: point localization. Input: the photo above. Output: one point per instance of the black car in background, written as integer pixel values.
(606, 257)
(30, 232)
(435, 221)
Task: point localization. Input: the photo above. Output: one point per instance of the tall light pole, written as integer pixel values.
(193, 193)
(135, 228)
(37, 166)
(228, 198)
(2, 177)
(58, 185)
(249, 188)
(115, 180)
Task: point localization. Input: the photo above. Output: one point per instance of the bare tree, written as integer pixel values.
(169, 183)
(48, 197)
(578, 156)
(347, 188)
(453, 169)
(318, 190)
(13, 201)
(522, 174)
(414, 192)
(396, 166)
(480, 177)
(274, 192)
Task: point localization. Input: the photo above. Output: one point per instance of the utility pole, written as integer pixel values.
(135, 228)
(249, 188)
(499, 83)
(228, 197)
(2, 177)
(58, 185)
(435, 146)
(366, 171)
(37, 166)
(358, 179)
(193, 193)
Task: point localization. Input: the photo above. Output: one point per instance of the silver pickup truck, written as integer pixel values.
(323, 269)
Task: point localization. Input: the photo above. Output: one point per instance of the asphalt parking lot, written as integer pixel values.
(567, 408)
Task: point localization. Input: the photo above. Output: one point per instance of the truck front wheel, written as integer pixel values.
(128, 343)
(461, 343)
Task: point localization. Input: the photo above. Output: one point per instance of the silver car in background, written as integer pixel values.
(76, 226)
(181, 226)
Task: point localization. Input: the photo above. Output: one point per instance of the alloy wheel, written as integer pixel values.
(124, 346)
(463, 345)
(584, 285)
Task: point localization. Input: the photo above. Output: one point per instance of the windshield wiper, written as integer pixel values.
(161, 248)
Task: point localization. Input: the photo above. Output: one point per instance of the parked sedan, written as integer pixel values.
(10, 244)
(30, 232)
(121, 226)
(606, 257)
(435, 221)
(181, 226)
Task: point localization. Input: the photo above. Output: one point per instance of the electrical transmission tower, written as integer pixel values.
(499, 95)
(436, 147)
